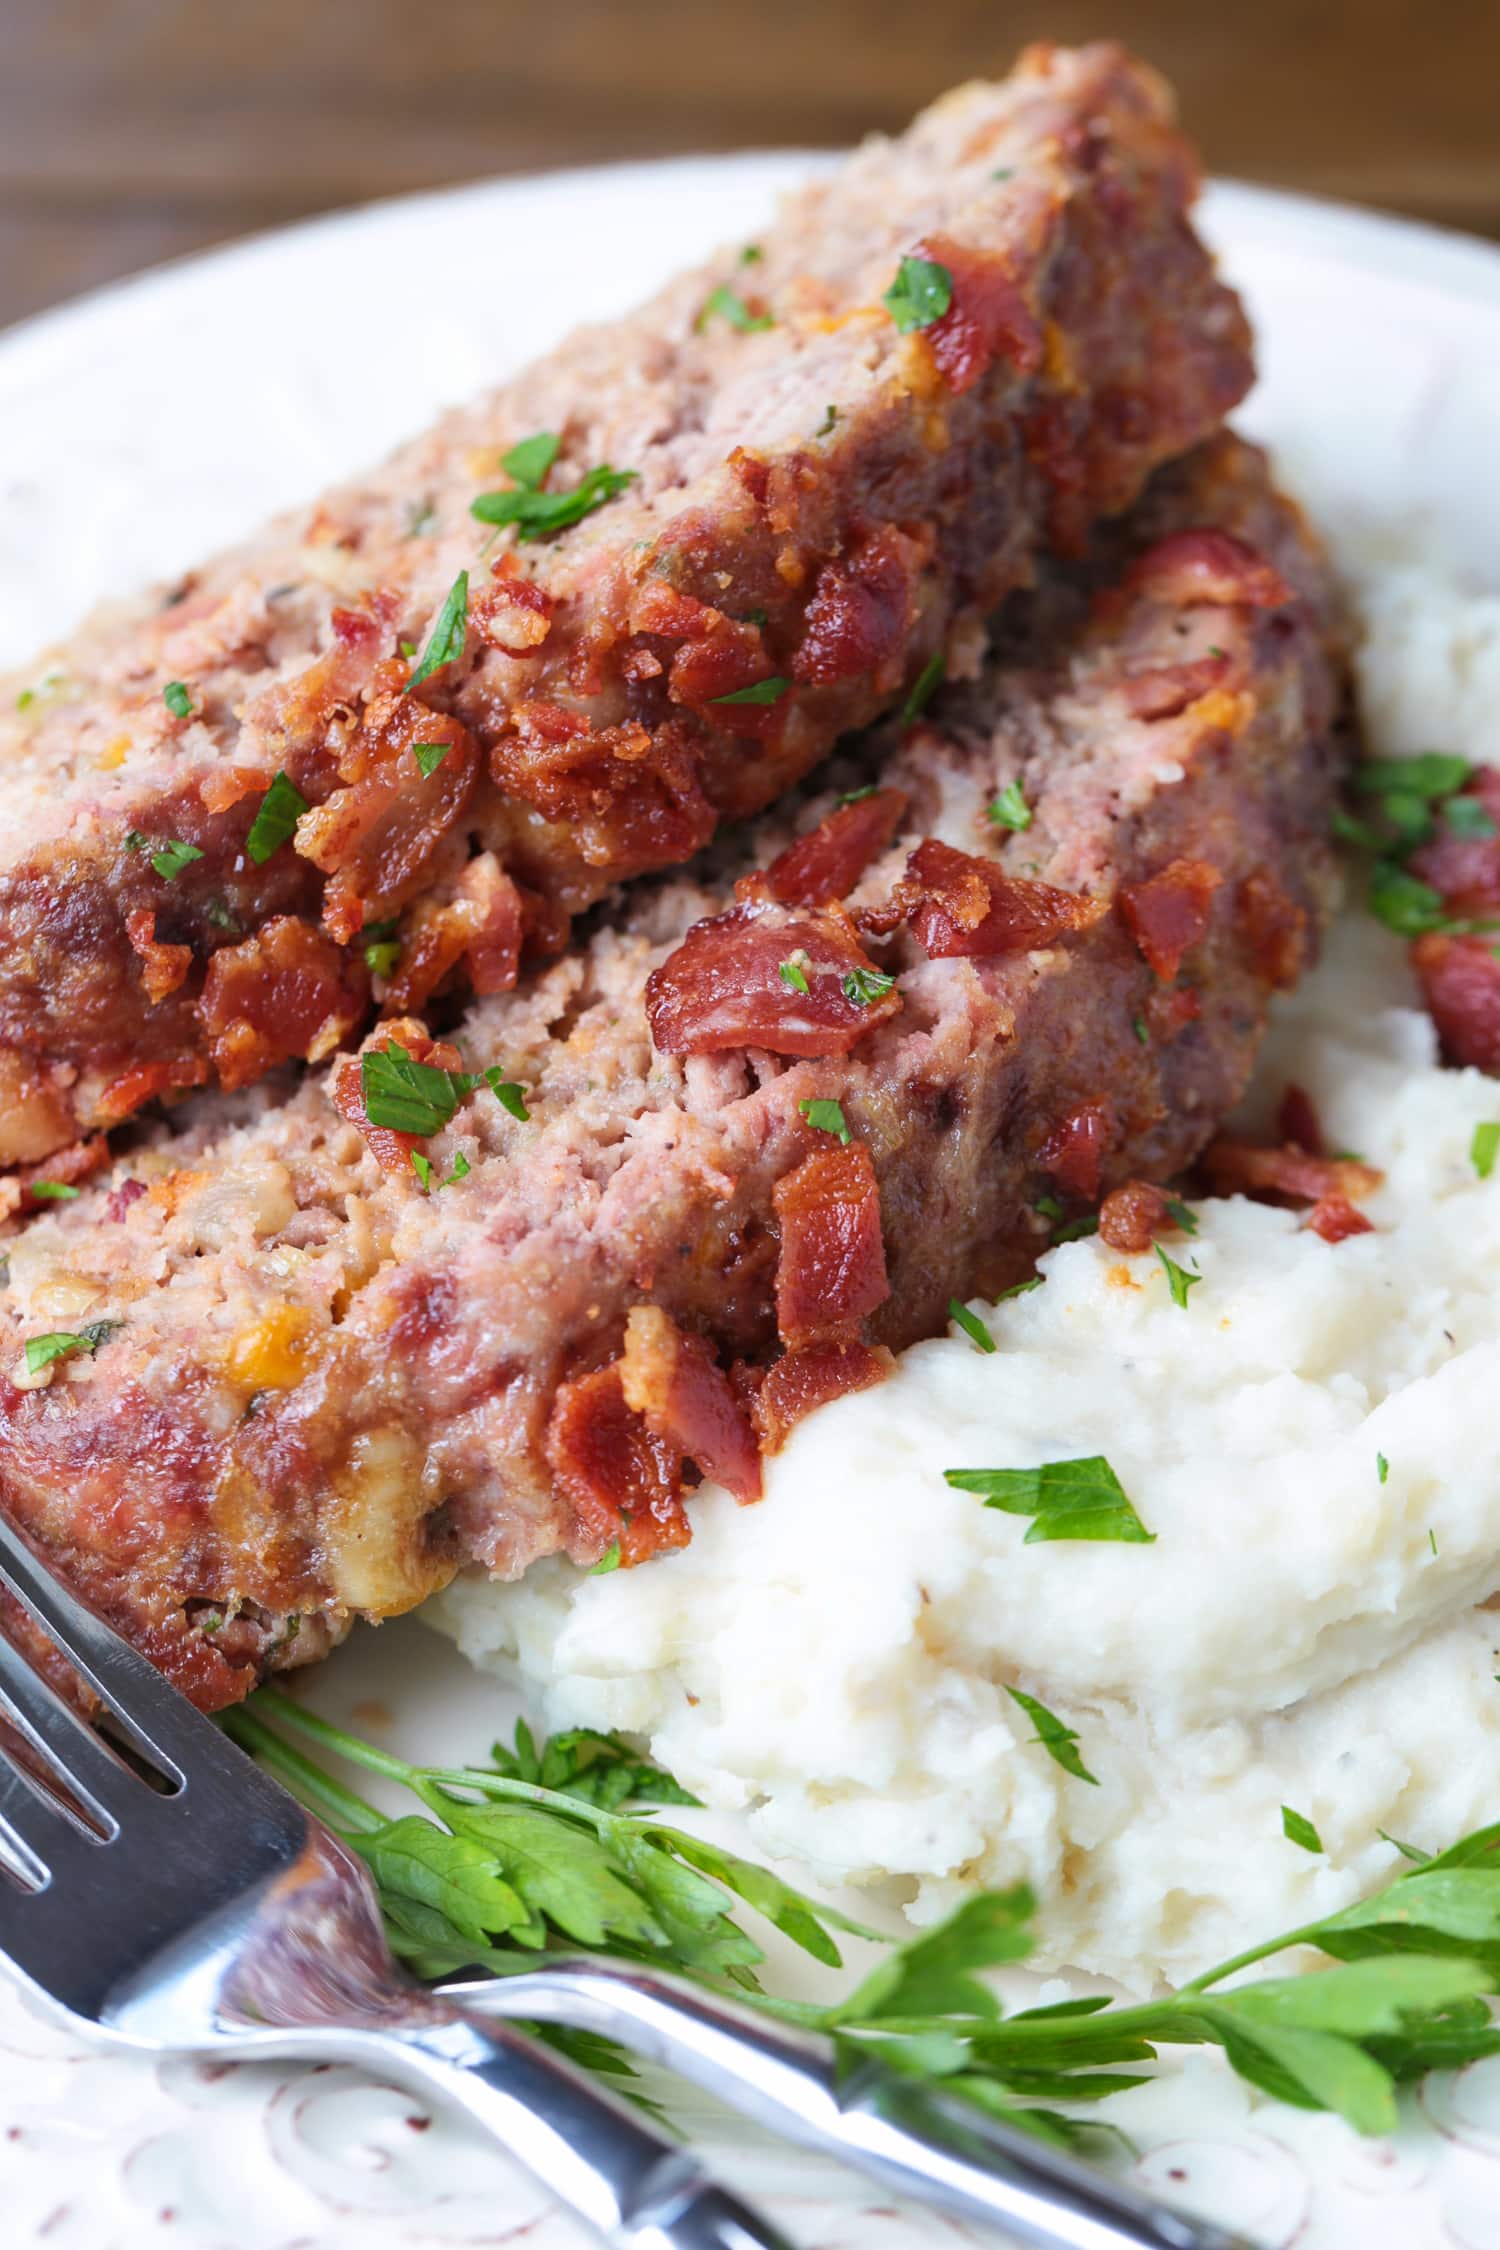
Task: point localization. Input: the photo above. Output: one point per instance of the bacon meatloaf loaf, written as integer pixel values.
(475, 1302)
(712, 539)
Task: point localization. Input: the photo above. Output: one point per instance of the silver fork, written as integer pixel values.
(215, 1915)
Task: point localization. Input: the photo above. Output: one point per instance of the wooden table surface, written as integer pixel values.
(133, 130)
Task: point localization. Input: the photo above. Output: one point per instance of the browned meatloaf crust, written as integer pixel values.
(329, 1389)
(822, 505)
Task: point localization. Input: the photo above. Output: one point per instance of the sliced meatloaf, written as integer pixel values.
(712, 539)
(475, 1302)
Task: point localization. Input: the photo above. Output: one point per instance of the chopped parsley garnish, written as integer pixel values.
(223, 917)
(1081, 1499)
(920, 294)
(1020, 1288)
(825, 1117)
(1180, 1279)
(1405, 904)
(1010, 809)
(1432, 1538)
(537, 514)
(446, 640)
(1298, 1829)
(422, 1166)
(608, 1561)
(1183, 1213)
(752, 254)
(1484, 1147)
(724, 304)
(1142, 1030)
(178, 699)
(1467, 817)
(1382, 1468)
(1077, 1230)
(61, 1342)
(421, 515)
(830, 416)
(1057, 1740)
(429, 756)
(856, 796)
(923, 688)
(794, 976)
(173, 857)
(420, 1098)
(382, 947)
(406, 648)
(972, 1326)
(1048, 1207)
(759, 691)
(280, 809)
(51, 1191)
(1434, 773)
(529, 462)
(865, 985)
(1407, 1851)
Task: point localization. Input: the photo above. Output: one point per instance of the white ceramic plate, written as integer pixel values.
(145, 425)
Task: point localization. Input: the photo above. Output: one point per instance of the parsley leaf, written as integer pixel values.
(172, 858)
(971, 1324)
(1433, 774)
(413, 1097)
(1180, 1279)
(59, 1343)
(1010, 809)
(825, 1117)
(830, 416)
(279, 811)
(1080, 1499)
(1405, 904)
(924, 687)
(1142, 1030)
(724, 304)
(382, 947)
(449, 632)
(537, 515)
(862, 986)
(920, 294)
(1382, 1468)
(178, 699)
(1298, 1829)
(1467, 817)
(1182, 1214)
(51, 1191)
(793, 976)
(1056, 1739)
(429, 756)
(608, 1561)
(1484, 1147)
(529, 462)
(759, 691)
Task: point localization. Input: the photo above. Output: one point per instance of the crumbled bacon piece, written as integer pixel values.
(390, 1149)
(1465, 870)
(124, 1095)
(121, 1198)
(225, 786)
(1211, 569)
(1297, 1121)
(287, 992)
(65, 1166)
(962, 906)
(482, 924)
(376, 836)
(812, 1377)
(830, 1273)
(1233, 1167)
(1460, 980)
(858, 617)
(688, 1402)
(1274, 929)
(1335, 1219)
(1168, 914)
(829, 860)
(631, 797)
(1132, 1216)
(1168, 690)
(1170, 1009)
(1074, 1151)
(987, 319)
(620, 1479)
(514, 614)
(164, 967)
(723, 986)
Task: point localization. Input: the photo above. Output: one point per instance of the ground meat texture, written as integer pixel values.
(331, 1389)
(820, 507)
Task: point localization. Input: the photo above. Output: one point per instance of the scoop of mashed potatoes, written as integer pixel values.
(1309, 1437)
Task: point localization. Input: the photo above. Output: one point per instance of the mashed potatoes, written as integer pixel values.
(1310, 1438)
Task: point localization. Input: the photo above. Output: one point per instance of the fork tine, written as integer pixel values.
(148, 1711)
(65, 1740)
(39, 1828)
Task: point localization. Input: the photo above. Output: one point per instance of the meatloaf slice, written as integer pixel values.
(391, 1325)
(716, 537)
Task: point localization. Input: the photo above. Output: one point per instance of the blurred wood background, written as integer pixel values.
(133, 130)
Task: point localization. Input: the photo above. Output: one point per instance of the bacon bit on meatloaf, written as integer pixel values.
(758, 580)
(347, 1388)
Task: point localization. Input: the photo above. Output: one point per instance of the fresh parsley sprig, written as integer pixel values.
(537, 514)
(534, 1852)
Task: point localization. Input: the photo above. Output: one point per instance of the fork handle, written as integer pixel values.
(638, 2188)
(911, 2137)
